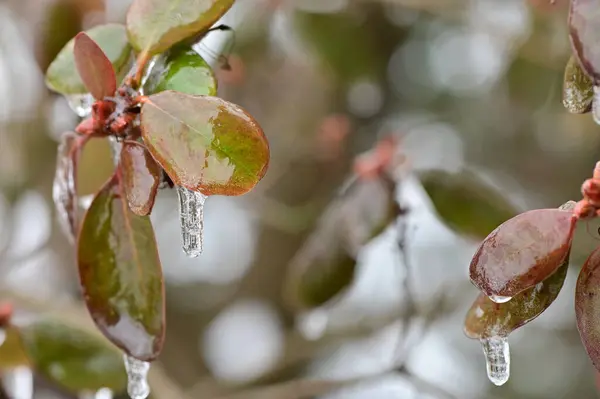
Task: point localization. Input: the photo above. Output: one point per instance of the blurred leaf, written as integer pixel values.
(584, 25)
(62, 75)
(12, 353)
(587, 306)
(62, 21)
(325, 265)
(141, 177)
(94, 68)
(121, 275)
(522, 252)
(465, 203)
(156, 25)
(73, 359)
(578, 89)
(185, 71)
(487, 319)
(205, 143)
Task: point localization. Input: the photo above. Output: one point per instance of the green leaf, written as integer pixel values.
(154, 26)
(94, 68)
(185, 71)
(587, 306)
(121, 275)
(487, 319)
(205, 143)
(141, 177)
(465, 203)
(12, 353)
(73, 359)
(578, 88)
(62, 75)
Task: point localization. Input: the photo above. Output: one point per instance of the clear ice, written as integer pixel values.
(596, 105)
(497, 359)
(500, 299)
(64, 184)
(115, 148)
(137, 377)
(191, 214)
(81, 104)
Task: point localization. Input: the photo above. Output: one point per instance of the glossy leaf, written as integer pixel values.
(12, 353)
(205, 143)
(141, 177)
(94, 68)
(584, 30)
(578, 89)
(121, 275)
(465, 203)
(154, 26)
(73, 359)
(522, 252)
(185, 71)
(62, 75)
(487, 319)
(587, 306)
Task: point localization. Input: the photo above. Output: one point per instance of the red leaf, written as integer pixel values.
(94, 67)
(587, 306)
(141, 177)
(522, 252)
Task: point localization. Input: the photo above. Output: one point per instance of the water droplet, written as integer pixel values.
(137, 377)
(596, 105)
(497, 359)
(191, 213)
(500, 299)
(81, 104)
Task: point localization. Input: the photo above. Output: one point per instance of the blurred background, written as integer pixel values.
(464, 84)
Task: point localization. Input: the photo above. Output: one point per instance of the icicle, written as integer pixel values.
(137, 377)
(18, 382)
(81, 104)
(500, 299)
(103, 393)
(596, 105)
(497, 359)
(191, 213)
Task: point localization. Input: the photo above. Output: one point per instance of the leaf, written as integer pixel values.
(522, 252)
(205, 143)
(487, 319)
(141, 177)
(578, 89)
(185, 71)
(154, 26)
(62, 75)
(94, 68)
(73, 359)
(465, 203)
(325, 265)
(12, 354)
(64, 188)
(121, 275)
(587, 306)
(584, 29)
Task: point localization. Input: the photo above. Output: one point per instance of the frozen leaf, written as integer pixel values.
(587, 306)
(94, 68)
(522, 252)
(73, 359)
(578, 90)
(12, 353)
(185, 71)
(141, 177)
(584, 30)
(121, 275)
(154, 26)
(62, 75)
(465, 203)
(205, 143)
(487, 319)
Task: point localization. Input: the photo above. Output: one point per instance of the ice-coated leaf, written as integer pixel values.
(205, 143)
(465, 203)
(72, 358)
(522, 252)
(121, 275)
(584, 30)
(12, 353)
(154, 26)
(324, 267)
(94, 68)
(578, 88)
(487, 319)
(62, 75)
(185, 71)
(141, 177)
(587, 306)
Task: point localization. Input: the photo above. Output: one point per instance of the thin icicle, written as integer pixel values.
(191, 213)
(63, 186)
(81, 104)
(497, 359)
(137, 377)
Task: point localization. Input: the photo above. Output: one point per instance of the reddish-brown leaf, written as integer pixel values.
(94, 67)
(587, 306)
(522, 252)
(141, 177)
